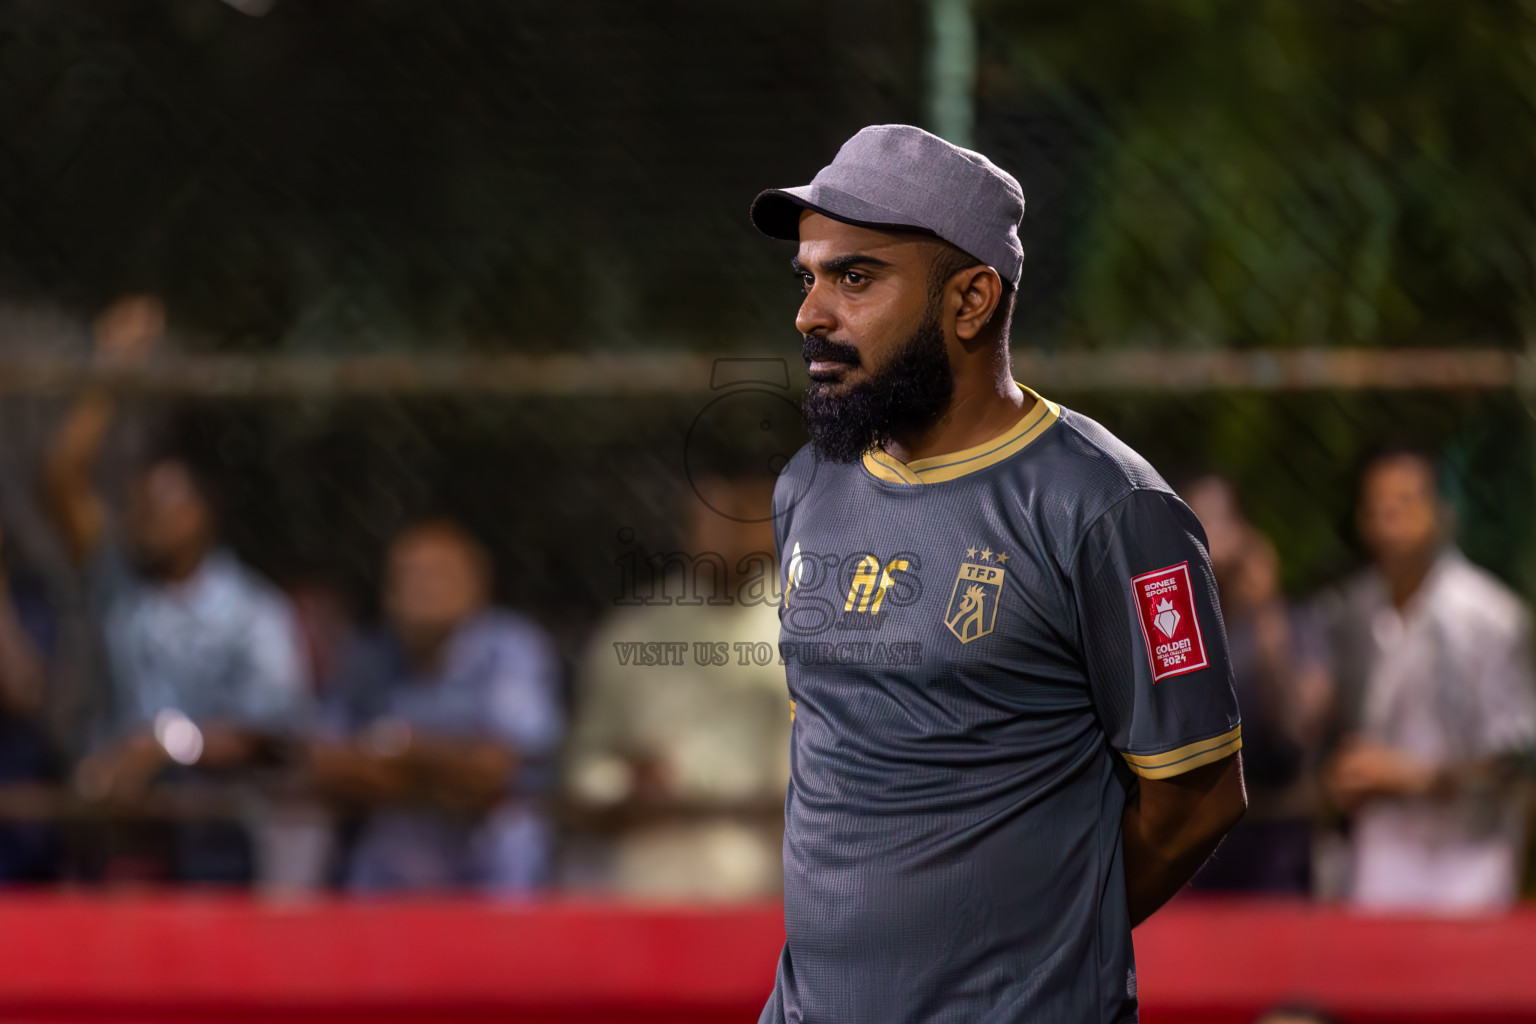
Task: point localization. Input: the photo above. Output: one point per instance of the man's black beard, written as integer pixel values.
(907, 396)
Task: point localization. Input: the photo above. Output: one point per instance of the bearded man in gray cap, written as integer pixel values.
(1015, 735)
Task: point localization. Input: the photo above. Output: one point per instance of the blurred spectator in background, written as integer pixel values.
(691, 759)
(26, 633)
(204, 656)
(1437, 702)
(443, 724)
(1283, 690)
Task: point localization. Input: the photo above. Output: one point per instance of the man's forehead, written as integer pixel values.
(823, 237)
(1393, 480)
(1404, 468)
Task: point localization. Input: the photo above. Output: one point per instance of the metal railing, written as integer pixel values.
(617, 374)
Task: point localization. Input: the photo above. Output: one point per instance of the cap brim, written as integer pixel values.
(776, 212)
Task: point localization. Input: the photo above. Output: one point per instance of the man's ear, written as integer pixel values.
(980, 292)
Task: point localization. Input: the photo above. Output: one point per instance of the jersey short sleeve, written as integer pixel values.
(1154, 645)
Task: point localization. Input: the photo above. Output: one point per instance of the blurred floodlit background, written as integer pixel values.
(482, 273)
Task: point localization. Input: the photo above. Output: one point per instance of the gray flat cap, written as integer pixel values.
(895, 175)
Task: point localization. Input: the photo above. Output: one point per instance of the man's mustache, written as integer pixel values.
(817, 347)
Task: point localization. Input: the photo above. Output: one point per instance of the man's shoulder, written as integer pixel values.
(1469, 591)
(1084, 470)
(794, 478)
(1459, 588)
(1099, 459)
(500, 644)
(802, 463)
(498, 627)
(232, 577)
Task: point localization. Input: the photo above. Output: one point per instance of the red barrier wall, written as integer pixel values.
(1210, 962)
(186, 958)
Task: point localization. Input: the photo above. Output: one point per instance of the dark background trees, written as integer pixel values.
(463, 176)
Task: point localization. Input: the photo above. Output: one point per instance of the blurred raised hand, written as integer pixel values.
(126, 333)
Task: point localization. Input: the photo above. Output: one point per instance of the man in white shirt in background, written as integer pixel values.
(1436, 704)
(691, 760)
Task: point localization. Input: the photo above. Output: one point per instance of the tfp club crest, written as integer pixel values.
(972, 610)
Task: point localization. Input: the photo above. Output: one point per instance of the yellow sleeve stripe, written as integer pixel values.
(1186, 758)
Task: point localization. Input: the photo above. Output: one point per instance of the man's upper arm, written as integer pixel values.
(71, 499)
(523, 696)
(1154, 644)
(1507, 691)
(277, 695)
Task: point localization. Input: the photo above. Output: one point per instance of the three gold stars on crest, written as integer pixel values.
(986, 555)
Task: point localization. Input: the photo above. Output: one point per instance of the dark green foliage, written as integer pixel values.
(1281, 173)
(464, 174)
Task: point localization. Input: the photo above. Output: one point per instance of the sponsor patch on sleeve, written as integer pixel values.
(1166, 603)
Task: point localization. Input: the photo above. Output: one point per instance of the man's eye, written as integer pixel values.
(854, 277)
(806, 281)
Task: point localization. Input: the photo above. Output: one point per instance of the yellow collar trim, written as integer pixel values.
(938, 468)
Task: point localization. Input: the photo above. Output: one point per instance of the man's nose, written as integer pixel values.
(815, 316)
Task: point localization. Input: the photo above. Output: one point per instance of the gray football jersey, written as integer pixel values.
(983, 649)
